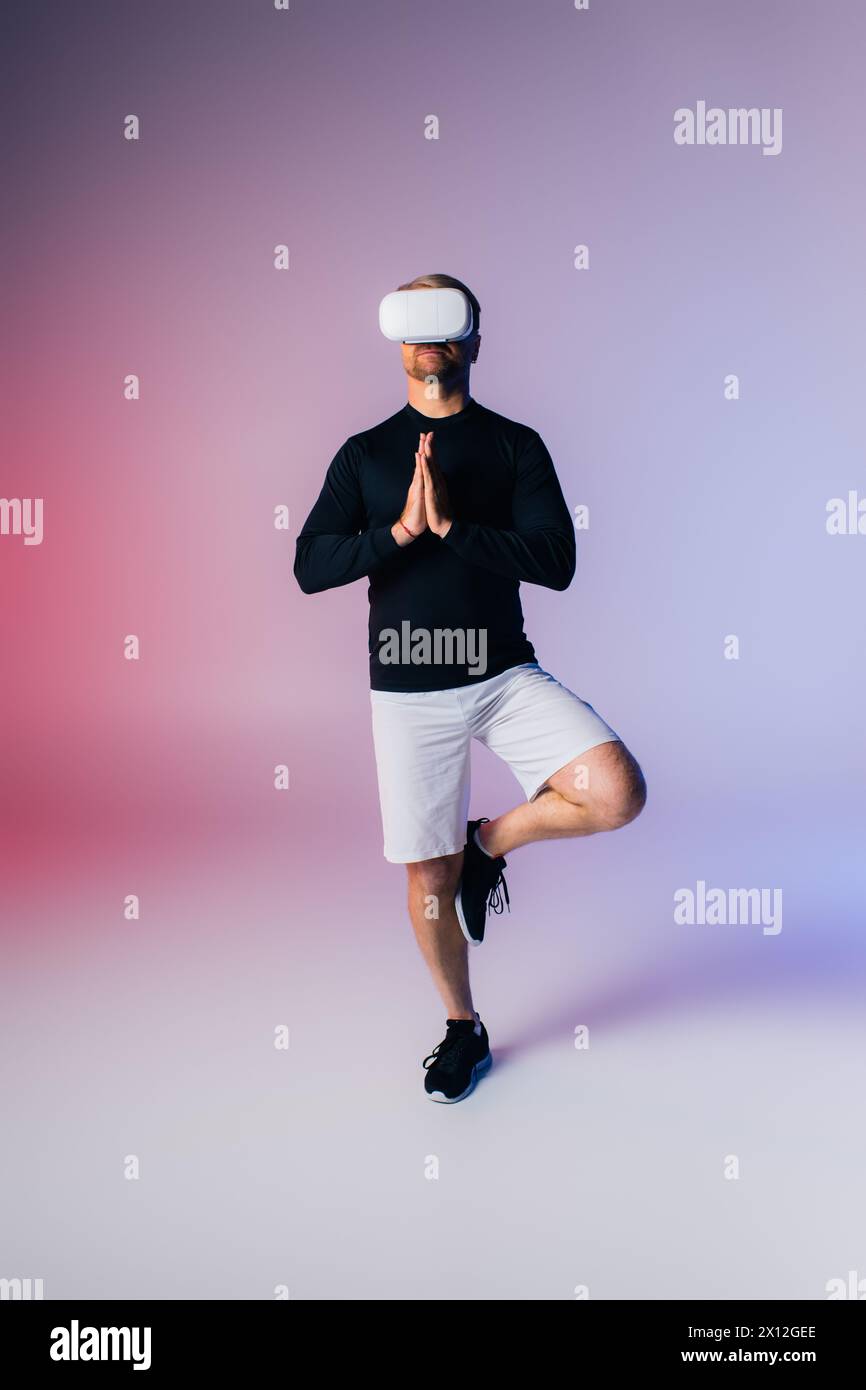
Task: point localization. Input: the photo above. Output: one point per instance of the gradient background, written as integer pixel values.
(155, 1038)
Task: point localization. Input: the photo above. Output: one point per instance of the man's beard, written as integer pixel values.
(443, 368)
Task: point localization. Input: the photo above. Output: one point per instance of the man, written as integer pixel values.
(446, 507)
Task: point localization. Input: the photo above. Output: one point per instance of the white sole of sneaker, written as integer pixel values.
(478, 1070)
(458, 908)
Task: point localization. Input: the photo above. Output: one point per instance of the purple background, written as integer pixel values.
(260, 908)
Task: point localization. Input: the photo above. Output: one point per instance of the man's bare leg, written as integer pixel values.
(432, 883)
(602, 789)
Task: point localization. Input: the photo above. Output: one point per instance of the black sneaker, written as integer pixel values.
(455, 1064)
(478, 890)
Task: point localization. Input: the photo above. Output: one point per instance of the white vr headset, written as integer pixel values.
(425, 316)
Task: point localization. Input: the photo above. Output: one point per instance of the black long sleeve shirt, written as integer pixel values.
(510, 523)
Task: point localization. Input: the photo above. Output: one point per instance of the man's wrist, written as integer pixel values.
(443, 530)
(401, 533)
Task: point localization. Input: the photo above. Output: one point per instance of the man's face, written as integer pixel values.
(444, 361)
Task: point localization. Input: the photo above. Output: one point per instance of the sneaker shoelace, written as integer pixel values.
(494, 901)
(494, 896)
(445, 1053)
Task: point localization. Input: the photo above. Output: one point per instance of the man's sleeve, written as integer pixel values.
(539, 548)
(333, 548)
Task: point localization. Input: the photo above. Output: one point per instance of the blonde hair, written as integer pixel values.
(445, 282)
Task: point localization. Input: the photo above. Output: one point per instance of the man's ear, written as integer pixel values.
(474, 357)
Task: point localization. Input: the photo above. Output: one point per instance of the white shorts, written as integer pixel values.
(423, 740)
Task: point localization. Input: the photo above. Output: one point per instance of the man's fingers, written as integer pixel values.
(430, 472)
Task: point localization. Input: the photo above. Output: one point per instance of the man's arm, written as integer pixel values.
(333, 548)
(540, 547)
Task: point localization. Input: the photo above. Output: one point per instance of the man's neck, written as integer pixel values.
(448, 400)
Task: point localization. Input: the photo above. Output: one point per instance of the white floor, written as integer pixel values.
(311, 1168)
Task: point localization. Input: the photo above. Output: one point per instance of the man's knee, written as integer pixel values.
(607, 785)
(622, 793)
(435, 877)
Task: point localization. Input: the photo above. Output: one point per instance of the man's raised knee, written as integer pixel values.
(624, 793)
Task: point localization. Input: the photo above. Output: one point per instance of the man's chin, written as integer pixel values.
(431, 367)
